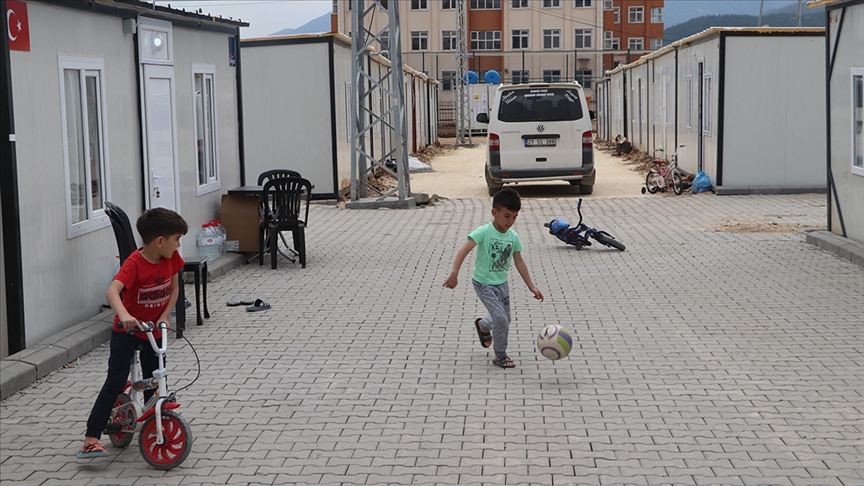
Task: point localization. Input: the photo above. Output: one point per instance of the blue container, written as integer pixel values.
(492, 77)
(471, 77)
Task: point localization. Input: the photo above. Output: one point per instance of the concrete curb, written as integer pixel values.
(24, 368)
(840, 246)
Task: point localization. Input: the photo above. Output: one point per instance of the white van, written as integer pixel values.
(539, 132)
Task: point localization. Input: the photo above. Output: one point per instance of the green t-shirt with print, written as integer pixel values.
(494, 252)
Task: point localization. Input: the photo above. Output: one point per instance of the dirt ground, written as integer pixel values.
(458, 173)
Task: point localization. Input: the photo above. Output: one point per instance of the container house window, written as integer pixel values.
(82, 97)
(486, 40)
(858, 121)
(706, 104)
(205, 128)
(520, 38)
(688, 103)
(636, 15)
(551, 38)
(583, 39)
(448, 40)
(420, 41)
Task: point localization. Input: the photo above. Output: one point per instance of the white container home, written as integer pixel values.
(745, 102)
(110, 101)
(296, 108)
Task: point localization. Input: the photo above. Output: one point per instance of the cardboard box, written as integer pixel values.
(239, 216)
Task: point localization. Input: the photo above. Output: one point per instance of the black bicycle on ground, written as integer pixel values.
(579, 235)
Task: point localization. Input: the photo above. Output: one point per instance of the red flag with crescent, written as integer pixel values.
(17, 25)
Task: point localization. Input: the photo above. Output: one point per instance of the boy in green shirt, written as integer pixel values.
(496, 242)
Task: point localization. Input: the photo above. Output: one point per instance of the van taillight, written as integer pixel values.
(495, 143)
(587, 140)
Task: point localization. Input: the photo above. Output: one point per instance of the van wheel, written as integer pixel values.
(585, 189)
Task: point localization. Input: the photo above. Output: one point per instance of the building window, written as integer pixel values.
(448, 80)
(609, 42)
(520, 4)
(520, 77)
(688, 103)
(636, 15)
(656, 44)
(607, 4)
(706, 104)
(585, 77)
(551, 3)
(445, 4)
(420, 41)
(582, 4)
(485, 4)
(858, 121)
(83, 118)
(551, 38)
(384, 43)
(635, 43)
(551, 75)
(205, 128)
(520, 39)
(419, 5)
(486, 40)
(657, 15)
(616, 13)
(448, 40)
(583, 39)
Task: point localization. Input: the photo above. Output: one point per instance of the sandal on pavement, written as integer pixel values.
(258, 305)
(92, 449)
(503, 362)
(485, 337)
(235, 303)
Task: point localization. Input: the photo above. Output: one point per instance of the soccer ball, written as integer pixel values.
(554, 342)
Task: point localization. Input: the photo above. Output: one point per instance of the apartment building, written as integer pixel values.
(631, 29)
(523, 40)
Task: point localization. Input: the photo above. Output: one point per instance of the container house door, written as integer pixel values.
(160, 133)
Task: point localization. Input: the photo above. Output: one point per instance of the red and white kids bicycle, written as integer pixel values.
(165, 438)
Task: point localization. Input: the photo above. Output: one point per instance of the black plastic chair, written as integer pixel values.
(122, 231)
(275, 173)
(281, 202)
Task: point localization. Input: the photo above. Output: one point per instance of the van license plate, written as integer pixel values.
(541, 142)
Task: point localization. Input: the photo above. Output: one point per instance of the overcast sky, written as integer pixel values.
(264, 16)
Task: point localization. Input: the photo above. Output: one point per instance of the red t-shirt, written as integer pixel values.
(147, 288)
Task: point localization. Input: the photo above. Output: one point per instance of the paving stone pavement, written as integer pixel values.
(701, 357)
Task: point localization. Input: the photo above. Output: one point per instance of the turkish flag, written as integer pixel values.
(17, 24)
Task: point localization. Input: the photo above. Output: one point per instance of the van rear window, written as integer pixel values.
(540, 104)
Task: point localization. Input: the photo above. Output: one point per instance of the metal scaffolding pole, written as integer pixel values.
(463, 125)
(378, 101)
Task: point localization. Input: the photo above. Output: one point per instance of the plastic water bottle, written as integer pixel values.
(208, 243)
(223, 235)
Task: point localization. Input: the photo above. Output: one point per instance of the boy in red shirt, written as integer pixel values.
(144, 290)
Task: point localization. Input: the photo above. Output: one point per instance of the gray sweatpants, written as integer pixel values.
(496, 299)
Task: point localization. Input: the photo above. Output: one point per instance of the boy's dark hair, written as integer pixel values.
(507, 198)
(160, 222)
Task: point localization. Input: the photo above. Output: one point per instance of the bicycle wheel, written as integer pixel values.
(608, 240)
(177, 444)
(676, 181)
(126, 414)
(650, 183)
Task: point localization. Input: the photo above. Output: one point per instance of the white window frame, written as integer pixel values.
(419, 4)
(551, 39)
(636, 15)
(607, 4)
(586, 35)
(448, 80)
(422, 38)
(211, 135)
(707, 87)
(551, 75)
(95, 218)
(445, 4)
(476, 40)
(522, 75)
(582, 4)
(688, 102)
(448, 35)
(485, 4)
(524, 35)
(657, 15)
(517, 4)
(551, 3)
(656, 43)
(856, 102)
(616, 15)
(636, 44)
